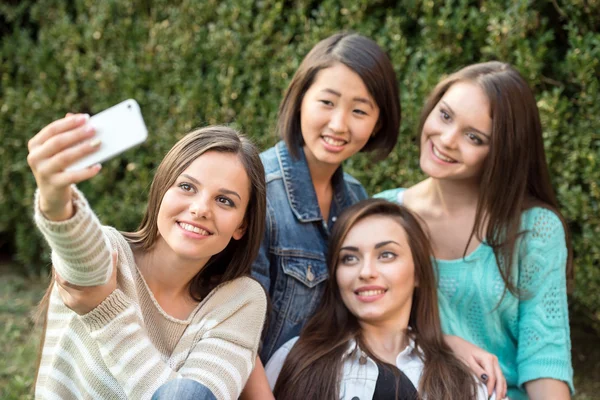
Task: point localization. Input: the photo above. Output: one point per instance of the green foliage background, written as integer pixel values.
(192, 63)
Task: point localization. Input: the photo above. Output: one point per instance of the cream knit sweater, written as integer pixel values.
(128, 346)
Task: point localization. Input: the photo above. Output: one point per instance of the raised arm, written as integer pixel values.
(81, 253)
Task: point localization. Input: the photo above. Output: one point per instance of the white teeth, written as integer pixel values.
(195, 229)
(371, 292)
(333, 142)
(441, 157)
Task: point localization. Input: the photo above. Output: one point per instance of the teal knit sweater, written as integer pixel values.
(530, 336)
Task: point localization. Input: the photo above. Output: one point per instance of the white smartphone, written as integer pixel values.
(119, 128)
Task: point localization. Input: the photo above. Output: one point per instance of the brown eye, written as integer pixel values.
(186, 187)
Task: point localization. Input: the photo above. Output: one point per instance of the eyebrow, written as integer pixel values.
(222, 190)
(469, 127)
(377, 246)
(357, 99)
(381, 244)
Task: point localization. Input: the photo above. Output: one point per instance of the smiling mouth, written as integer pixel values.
(194, 229)
(441, 156)
(333, 142)
(370, 293)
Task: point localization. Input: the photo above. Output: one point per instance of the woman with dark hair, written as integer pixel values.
(175, 315)
(497, 234)
(377, 333)
(342, 99)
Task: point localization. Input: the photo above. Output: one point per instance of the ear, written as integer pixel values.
(240, 231)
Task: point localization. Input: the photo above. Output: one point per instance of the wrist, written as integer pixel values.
(57, 213)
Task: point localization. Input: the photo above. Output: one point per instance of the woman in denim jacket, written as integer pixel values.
(377, 334)
(342, 99)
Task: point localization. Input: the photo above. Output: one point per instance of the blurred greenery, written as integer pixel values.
(191, 63)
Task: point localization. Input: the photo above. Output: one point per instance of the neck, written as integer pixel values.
(166, 274)
(320, 173)
(385, 340)
(452, 196)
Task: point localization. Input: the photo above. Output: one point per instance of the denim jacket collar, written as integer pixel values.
(300, 189)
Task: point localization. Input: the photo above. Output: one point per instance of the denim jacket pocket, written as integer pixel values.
(304, 278)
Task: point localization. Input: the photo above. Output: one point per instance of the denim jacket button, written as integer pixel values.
(309, 274)
(362, 360)
(355, 398)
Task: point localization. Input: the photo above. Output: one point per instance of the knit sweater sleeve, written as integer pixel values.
(81, 253)
(222, 342)
(544, 345)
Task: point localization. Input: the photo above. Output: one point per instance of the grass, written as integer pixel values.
(19, 341)
(19, 335)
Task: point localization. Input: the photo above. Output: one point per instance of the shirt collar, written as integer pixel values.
(300, 189)
(354, 351)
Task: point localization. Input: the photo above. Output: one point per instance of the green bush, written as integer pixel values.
(192, 63)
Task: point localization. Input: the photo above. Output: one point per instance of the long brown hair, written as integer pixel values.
(236, 259)
(363, 56)
(515, 174)
(313, 367)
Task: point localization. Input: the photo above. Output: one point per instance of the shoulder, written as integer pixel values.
(239, 291)
(350, 180)
(542, 226)
(270, 161)
(275, 363)
(355, 186)
(393, 195)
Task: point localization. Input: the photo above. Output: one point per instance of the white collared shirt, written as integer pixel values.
(359, 372)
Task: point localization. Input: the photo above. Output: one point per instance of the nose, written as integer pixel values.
(448, 138)
(368, 269)
(200, 207)
(338, 122)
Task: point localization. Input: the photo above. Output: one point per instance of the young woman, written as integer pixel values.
(499, 239)
(175, 315)
(342, 99)
(377, 334)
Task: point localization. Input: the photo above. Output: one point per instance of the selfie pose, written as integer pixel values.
(497, 234)
(377, 334)
(173, 312)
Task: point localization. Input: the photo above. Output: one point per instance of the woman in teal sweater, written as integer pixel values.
(500, 242)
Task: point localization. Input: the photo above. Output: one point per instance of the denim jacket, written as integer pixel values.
(291, 262)
(360, 372)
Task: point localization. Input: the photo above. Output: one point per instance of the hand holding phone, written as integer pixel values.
(118, 128)
(69, 150)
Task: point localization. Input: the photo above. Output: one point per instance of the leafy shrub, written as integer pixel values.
(191, 63)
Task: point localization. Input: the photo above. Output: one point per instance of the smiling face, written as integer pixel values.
(337, 116)
(204, 208)
(376, 273)
(455, 140)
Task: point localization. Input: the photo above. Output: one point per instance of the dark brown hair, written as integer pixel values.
(363, 56)
(515, 174)
(313, 367)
